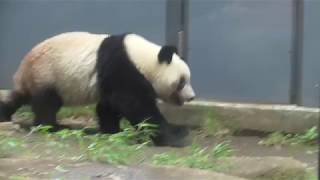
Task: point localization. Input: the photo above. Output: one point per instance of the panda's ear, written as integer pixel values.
(166, 53)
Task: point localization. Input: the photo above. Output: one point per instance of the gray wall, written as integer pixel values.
(239, 49)
(26, 22)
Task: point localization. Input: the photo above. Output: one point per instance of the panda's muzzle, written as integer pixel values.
(176, 100)
(186, 94)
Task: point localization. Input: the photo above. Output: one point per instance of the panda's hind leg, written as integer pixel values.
(11, 104)
(45, 106)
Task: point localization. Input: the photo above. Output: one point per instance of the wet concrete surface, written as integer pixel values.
(51, 169)
(97, 171)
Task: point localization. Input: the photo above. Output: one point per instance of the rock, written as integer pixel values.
(266, 168)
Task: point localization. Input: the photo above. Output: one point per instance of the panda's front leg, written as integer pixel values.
(137, 109)
(108, 118)
(168, 134)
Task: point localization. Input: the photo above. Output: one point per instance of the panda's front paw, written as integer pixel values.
(172, 135)
(179, 131)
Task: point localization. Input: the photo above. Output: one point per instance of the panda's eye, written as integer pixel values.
(181, 84)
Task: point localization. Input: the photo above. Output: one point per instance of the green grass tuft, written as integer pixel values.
(196, 157)
(277, 138)
(212, 126)
(119, 148)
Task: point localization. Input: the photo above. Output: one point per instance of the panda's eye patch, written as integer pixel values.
(181, 84)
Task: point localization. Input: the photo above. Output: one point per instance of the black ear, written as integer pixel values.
(166, 53)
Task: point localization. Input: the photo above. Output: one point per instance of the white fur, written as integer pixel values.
(79, 65)
(70, 67)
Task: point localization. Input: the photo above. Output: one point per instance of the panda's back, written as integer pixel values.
(65, 62)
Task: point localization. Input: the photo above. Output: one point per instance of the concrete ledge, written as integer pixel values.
(3, 94)
(260, 117)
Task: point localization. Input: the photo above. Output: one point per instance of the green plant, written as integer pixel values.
(196, 157)
(311, 174)
(111, 150)
(169, 158)
(85, 111)
(277, 138)
(41, 129)
(140, 133)
(222, 150)
(309, 137)
(121, 147)
(117, 148)
(25, 113)
(212, 126)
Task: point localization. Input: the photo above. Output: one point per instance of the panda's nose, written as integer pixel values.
(190, 99)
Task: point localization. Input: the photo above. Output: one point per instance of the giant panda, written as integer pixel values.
(123, 75)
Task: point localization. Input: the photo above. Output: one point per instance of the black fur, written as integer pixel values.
(109, 118)
(166, 53)
(45, 105)
(7, 108)
(125, 92)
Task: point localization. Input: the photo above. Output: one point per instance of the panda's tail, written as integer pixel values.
(10, 103)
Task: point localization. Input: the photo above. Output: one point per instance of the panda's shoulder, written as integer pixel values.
(116, 42)
(126, 45)
(78, 33)
(124, 39)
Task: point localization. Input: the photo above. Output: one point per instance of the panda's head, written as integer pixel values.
(162, 67)
(173, 83)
